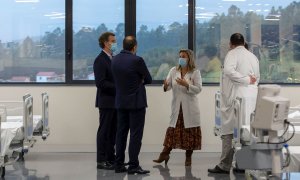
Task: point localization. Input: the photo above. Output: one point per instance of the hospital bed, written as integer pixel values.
(19, 127)
(40, 122)
(16, 137)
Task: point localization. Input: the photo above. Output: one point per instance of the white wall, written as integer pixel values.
(74, 119)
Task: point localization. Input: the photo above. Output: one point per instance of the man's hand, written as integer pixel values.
(252, 79)
(182, 82)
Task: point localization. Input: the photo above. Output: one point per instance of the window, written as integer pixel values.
(270, 40)
(207, 51)
(162, 30)
(91, 19)
(32, 40)
(270, 28)
(296, 43)
(35, 36)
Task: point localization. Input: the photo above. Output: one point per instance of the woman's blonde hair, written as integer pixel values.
(191, 60)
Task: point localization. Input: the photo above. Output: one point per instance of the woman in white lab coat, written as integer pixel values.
(184, 130)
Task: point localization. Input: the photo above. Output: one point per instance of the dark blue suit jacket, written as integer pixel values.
(106, 90)
(131, 74)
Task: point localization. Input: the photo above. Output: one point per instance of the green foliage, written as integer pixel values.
(159, 46)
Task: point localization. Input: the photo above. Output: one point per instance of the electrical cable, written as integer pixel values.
(285, 141)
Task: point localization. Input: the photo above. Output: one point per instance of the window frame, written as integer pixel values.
(130, 29)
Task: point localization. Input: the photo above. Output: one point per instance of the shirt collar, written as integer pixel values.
(239, 47)
(108, 54)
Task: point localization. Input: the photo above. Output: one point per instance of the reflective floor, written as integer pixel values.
(65, 166)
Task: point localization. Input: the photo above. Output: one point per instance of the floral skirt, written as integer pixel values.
(183, 138)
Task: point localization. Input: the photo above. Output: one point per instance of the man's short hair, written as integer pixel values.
(104, 38)
(129, 42)
(246, 46)
(237, 39)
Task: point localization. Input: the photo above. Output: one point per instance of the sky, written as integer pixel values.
(21, 18)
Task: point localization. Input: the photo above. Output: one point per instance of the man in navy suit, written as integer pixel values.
(131, 74)
(105, 102)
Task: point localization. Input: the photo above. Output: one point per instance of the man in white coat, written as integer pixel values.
(240, 78)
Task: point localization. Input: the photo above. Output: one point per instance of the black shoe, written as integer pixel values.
(236, 170)
(137, 170)
(109, 166)
(120, 169)
(101, 165)
(105, 165)
(218, 170)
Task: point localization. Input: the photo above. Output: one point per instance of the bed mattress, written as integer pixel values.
(10, 131)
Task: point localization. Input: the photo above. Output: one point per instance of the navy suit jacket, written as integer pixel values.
(106, 90)
(131, 74)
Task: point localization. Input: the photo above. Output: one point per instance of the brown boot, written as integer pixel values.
(188, 157)
(164, 155)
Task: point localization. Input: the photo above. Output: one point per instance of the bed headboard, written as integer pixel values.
(45, 109)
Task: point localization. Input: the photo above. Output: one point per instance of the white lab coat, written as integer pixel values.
(187, 97)
(235, 82)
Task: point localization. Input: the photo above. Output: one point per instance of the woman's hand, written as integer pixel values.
(182, 82)
(166, 84)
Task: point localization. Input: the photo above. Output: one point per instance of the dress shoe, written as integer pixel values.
(109, 165)
(236, 170)
(105, 165)
(101, 165)
(137, 170)
(120, 169)
(218, 170)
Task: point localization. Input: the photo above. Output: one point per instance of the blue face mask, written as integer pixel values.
(182, 62)
(113, 47)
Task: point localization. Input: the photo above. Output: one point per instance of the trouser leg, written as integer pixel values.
(137, 122)
(111, 137)
(227, 152)
(121, 137)
(101, 140)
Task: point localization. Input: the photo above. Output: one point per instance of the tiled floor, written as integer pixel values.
(77, 166)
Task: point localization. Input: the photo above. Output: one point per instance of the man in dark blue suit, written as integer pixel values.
(131, 74)
(105, 101)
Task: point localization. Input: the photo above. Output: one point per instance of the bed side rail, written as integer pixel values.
(28, 122)
(45, 115)
(238, 118)
(217, 127)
